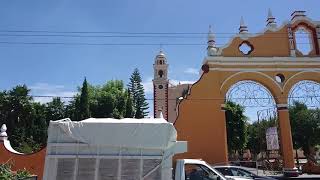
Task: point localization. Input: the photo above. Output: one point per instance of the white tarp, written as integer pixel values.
(104, 148)
(147, 133)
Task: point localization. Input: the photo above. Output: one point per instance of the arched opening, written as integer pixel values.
(160, 73)
(304, 114)
(252, 125)
(306, 92)
(303, 40)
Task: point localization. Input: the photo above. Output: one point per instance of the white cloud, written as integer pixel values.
(176, 82)
(148, 86)
(192, 71)
(45, 89)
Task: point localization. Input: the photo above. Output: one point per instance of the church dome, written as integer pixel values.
(161, 54)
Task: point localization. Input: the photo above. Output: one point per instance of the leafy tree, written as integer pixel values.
(84, 108)
(55, 109)
(304, 127)
(236, 121)
(257, 135)
(40, 128)
(129, 105)
(7, 174)
(72, 110)
(137, 92)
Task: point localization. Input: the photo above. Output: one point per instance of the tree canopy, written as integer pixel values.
(305, 127)
(27, 120)
(236, 121)
(137, 93)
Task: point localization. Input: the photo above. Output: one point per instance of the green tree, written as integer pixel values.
(137, 92)
(257, 135)
(129, 105)
(55, 109)
(304, 127)
(84, 108)
(236, 121)
(24, 118)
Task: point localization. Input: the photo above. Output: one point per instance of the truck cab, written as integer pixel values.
(195, 169)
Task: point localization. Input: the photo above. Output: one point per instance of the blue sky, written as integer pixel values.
(59, 69)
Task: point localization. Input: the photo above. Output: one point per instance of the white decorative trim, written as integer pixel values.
(255, 63)
(236, 74)
(264, 69)
(288, 80)
(281, 105)
(8, 147)
(222, 59)
(303, 18)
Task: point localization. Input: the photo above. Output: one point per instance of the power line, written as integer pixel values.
(132, 36)
(108, 44)
(132, 33)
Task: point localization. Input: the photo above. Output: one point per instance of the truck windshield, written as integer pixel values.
(199, 172)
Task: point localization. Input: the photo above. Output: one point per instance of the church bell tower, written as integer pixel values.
(160, 86)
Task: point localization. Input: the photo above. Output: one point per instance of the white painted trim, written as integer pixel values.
(287, 81)
(7, 146)
(264, 69)
(304, 18)
(290, 59)
(281, 105)
(236, 74)
(255, 63)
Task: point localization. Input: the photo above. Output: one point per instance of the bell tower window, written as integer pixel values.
(160, 73)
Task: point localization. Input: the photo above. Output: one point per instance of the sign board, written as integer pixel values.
(272, 139)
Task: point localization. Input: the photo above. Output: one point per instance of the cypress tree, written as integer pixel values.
(84, 108)
(137, 92)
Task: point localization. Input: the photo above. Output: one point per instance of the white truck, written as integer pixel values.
(113, 149)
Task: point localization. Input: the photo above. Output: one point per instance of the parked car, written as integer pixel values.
(236, 172)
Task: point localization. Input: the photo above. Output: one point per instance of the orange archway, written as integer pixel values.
(201, 119)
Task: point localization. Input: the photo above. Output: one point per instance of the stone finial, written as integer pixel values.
(211, 49)
(161, 115)
(243, 28)
(211, 38)
(3, 133)
(271, 20)
(296, 14)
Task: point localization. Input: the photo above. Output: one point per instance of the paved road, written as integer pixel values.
(304, 176)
